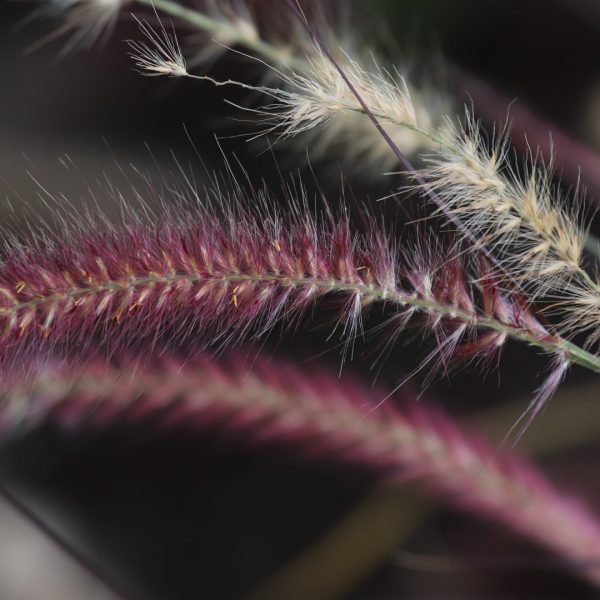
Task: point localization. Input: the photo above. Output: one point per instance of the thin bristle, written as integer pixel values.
(160, 54)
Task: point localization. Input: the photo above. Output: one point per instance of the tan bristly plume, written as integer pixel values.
(309, 93)
(160, 55)
(521, 217)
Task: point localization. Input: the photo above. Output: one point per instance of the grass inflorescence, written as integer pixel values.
(315, 416)
(501, 258)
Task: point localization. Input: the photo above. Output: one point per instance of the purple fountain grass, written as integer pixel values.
(151, 292)
(318, 417)
(219, 278)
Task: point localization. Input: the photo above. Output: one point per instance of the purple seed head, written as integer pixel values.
(218, 278)
(315, 416)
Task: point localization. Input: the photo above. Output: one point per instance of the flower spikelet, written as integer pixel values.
(159, 55)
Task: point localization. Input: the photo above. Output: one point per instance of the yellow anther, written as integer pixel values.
(234, 300)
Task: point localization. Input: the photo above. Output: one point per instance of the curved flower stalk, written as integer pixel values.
(318, 417)
(218, 277)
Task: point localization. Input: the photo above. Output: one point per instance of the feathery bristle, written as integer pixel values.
(160, 55)
(317, 96)
(319, 104)
(579, 305)
(318, 417)
(504, 210)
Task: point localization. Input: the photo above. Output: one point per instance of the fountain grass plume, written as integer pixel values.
(293, 61)
(238, 267)
(317, 417)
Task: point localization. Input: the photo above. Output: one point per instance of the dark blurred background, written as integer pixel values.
(178, 517)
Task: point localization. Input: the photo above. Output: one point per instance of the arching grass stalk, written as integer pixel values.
(222, 276)
(319, 418)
